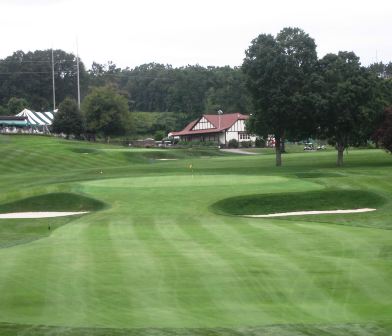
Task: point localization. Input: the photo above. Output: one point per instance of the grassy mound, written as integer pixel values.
(263, 204)
(53, 202)
(21, 231)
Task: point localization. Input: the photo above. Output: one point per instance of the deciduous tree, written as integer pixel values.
(383, 134)
(16, 105)
(352, 101)
(278, 72)
(106, 112)
(68, 119)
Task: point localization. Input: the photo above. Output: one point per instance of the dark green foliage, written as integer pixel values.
(195, 89)
(233, 143)
(352, 101)
(279, 73)
(148, 123)
(68, 119)
(383, 134)
(260, 142)
(28, 76)
(381, 70)
(246, 144)
(3, 111)
(152, 87)
(314, 200)
(16, 105)
(106, 112)
(159, 135)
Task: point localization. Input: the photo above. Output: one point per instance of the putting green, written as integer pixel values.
(158, 259)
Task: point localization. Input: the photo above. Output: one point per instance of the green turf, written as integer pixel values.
(53, 202)
(157, 261)
(262, 204)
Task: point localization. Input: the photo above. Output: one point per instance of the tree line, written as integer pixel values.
(26, 81)
(289, 91)
(298, 96)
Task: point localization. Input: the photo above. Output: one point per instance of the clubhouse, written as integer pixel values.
(219, 128)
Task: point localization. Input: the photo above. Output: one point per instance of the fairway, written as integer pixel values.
(163, 252)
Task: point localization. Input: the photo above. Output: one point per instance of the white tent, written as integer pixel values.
(38, 118)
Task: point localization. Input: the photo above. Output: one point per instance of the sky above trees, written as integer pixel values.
(181, 32)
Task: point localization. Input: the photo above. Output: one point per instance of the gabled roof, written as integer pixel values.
(225, 122)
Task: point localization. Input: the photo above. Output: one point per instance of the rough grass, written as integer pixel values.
(262, 204)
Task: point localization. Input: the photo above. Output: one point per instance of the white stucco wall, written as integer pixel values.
(233, 132)
(203, 124)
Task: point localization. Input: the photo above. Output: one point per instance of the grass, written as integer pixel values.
(53, 202)
(157, 261)
(262, 204)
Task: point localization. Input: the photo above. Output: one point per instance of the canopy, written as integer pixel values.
(38, 118)
(13, 121)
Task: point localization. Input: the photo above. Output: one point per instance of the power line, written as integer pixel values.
(28, 61)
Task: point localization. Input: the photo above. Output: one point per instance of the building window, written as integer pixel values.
(244, 136)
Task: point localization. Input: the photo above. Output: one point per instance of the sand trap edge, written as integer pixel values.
(302, 213)
(40, 214)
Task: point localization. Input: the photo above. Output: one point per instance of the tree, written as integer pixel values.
(228, 91)
(383, 134)
(352, 101)
(16, 105)
(278, 73)
(106, 112)
(381, 70)
(29, 75)
(68, 119)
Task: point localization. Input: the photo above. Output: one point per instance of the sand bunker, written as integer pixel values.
(301, 213)
(39, 214)
(166, 159)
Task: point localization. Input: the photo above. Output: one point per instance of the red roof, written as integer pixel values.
(226, 121)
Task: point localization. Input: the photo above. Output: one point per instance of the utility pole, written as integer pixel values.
(54, 89)
(220, 112)
(77, 66)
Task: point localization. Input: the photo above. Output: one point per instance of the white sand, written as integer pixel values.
(300, 213)
(39, 214)
(166, 159)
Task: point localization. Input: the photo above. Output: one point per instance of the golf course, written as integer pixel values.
(164, 245)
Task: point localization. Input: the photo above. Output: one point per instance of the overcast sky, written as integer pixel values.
(205, 32)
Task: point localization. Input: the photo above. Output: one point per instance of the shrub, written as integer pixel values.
(233, 143)
(246, 144)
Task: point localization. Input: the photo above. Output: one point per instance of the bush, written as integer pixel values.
(159, 135)
(233, 143)
(246, 144)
